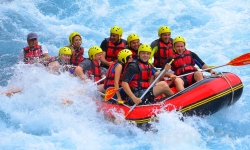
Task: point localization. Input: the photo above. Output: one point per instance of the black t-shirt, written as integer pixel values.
(86, 64)
(133, 69)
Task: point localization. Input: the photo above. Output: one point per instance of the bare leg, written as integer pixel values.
(162, 88)
(179, 84)
(101, 88)
(198, 76)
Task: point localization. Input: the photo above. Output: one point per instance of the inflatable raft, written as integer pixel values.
(203, 98)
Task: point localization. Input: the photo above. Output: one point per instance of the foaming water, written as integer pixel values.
(36, 117)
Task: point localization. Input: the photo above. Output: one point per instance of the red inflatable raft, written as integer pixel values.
(202, 98)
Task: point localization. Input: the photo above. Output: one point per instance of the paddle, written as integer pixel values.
(241, 60)
(118, 101)
(153, 83)
(69, 101)
(99, 80)
(11, 92)
(110, 92)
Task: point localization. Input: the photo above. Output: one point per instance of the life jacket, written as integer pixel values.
(165, 50)
(77, 56)
(113, 50)
(141, 80)
(110, 75)
(95, 71)
(134, 53)
(32, 52)
(183, 63)
(69, 68)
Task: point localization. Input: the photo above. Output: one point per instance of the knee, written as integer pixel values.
(198, 74)
(178, 81)
(163, 84)
(78, 69)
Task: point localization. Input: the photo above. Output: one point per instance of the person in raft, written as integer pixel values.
(116, 71)
(111, 47)
(138, 76)
(62, 62)
(184, 63)
(75, 41)
(34, 53)
(133, 44)
(162, 47)
(90, 67)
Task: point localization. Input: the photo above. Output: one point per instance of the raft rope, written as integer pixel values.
(221, 74)
(228, 81)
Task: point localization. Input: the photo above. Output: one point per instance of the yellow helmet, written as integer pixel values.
(163, 29)
(72, 35)
(123, 54)
(93, 51)
(132, 37)
(116, 30)
(144, 48)
(179, 39)
(65, 50)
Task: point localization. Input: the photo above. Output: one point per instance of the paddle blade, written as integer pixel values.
(10, 93)
(110, 92)
(240, 60)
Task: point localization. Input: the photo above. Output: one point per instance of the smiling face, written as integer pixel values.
(77, 41)
(144, 56)
(165, 37)
(114, 38)
(135, 44)
(179, 47)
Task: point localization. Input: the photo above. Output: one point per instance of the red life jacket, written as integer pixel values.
(134, 53)
(113, 50)
(110, 75)
(165, 50)
(95, 71)
(77, 56)
(32, 52)
(183, 63)
(141, 80)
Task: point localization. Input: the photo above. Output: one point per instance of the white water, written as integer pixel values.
(217, 31)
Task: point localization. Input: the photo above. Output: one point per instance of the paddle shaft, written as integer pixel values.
(153, 83)
(99, 80)
(104, 95)
(201, 70)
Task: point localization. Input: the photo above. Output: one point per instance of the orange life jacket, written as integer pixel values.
(183, 63)
(32, 52)
(141, 80)
(113, 50)
(95, 71)
(77, 56)
(165, 50)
